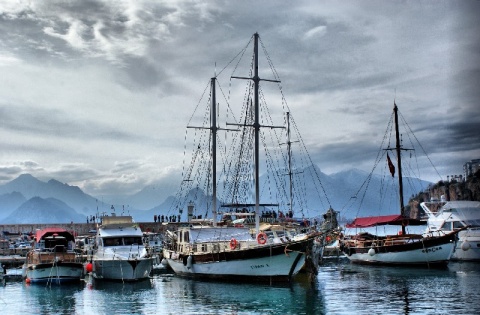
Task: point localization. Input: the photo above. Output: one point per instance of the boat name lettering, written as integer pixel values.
(259, 266)
(432, 250)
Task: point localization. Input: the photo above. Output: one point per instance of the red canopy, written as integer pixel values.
(394, 219)
(53, 230)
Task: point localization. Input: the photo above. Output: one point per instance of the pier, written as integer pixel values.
(78, 228)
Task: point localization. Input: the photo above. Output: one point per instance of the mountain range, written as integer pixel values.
(27, 199)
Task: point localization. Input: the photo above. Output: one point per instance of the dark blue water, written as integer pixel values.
(341, 288)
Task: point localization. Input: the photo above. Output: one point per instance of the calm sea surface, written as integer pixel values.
(341, 288)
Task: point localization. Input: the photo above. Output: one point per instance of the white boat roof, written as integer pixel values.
(219, 234)
(121, 231)
(117, 226)
(461, 204)
(121, 219)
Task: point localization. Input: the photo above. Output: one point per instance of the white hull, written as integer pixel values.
(273, 266)
(53, 273)
(468, 245)
(436, 254)
(126, 270)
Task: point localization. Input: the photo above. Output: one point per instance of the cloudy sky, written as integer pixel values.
(98, 93)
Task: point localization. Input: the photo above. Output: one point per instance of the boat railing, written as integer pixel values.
(389, 240)
(53, 255)
(223, 246)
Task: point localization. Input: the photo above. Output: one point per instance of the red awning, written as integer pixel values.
(394, 219)
(53, 230)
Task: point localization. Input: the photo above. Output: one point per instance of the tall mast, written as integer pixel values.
(289, 143)
(213, 128)
(398, 148)
(213, 132)
(256, 126)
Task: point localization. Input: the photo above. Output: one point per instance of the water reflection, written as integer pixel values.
(341, 288)
(299, 297)
(52, 299)
(108, 297)
(396, 290)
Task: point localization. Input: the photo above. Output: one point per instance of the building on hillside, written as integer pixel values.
(471, 167)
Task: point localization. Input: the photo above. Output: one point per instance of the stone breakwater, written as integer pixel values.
(77, 228)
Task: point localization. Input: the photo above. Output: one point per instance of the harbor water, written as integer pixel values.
(340, 288)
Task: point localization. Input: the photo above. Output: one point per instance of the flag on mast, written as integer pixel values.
(390, 166)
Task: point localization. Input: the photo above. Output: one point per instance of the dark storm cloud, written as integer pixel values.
(137, 68)
(48, 123)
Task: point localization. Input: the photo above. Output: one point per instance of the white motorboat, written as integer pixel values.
(120, 253)
(447, 216)
(53, 259)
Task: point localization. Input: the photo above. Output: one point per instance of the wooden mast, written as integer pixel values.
(213, 128)
(290, 173)
(256, 126)
(398, 148)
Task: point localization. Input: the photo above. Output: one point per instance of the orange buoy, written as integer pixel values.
(89, 267)
(27, 280)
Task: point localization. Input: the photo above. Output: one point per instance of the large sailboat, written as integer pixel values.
(401, 248)
(243, 252)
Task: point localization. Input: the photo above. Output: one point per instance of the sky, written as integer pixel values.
(98, 94)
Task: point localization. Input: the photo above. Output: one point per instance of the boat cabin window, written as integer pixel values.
(112, 241)
(473, 223)
(122, 241)
(457, 225)
(447, 226)
(133, 240)
(53, 241)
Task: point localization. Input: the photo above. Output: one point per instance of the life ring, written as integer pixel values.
(233, 244)
(261, 238)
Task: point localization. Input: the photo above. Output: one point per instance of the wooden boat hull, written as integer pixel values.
(277, 262)
(428, 252)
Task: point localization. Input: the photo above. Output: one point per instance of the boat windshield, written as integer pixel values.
(122, 241)
(455, 225)
(473, 223)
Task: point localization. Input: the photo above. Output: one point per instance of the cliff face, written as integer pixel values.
(453, 190)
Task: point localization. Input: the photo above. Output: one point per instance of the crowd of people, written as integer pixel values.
(164, 218)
